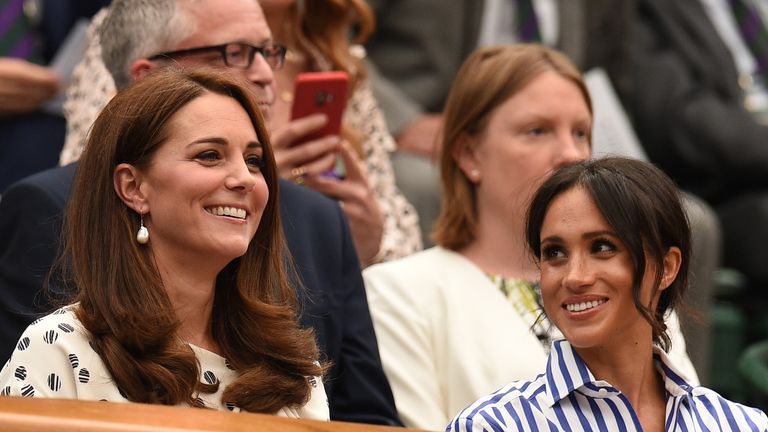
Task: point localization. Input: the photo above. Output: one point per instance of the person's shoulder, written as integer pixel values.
(427, 257)
(490, 412)
(311, 221)
(47, 330)
(296, 198)
(428, 266)
(55, 183)
(49, 359)
(420, 268)
(728, 412)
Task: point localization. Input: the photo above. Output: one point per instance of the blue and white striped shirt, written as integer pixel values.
(569, 398)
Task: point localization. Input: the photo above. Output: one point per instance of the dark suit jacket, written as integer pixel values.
(687, 103)
(317, 235)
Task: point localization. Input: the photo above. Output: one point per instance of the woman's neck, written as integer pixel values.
(499, 248)
(191, 292)
(631, 369)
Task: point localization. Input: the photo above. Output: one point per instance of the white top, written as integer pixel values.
(447, 335)
(54, 358)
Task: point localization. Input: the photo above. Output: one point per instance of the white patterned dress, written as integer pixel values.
(54, 359)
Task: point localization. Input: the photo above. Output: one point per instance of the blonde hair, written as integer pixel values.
(488, 77)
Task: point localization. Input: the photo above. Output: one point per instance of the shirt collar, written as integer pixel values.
(567, 372)
(675, 381)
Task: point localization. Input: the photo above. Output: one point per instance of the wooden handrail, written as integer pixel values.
(19, 414)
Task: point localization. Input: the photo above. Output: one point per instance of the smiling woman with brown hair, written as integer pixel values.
(174, 240)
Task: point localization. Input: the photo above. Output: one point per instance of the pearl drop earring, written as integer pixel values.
(142, 236)
(475, 173)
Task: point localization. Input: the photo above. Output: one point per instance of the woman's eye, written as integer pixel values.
(603, 246)
(536, 131)
(208, 156)
(581, 134)
(549, 253)
(255, 162)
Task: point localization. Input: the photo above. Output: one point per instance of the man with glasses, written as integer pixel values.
(235, 54)
(141, 35)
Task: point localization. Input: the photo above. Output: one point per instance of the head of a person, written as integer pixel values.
(514, 113)
(613, 245)
(318, 34)
(186, 154)
(190, 160)
(320, 31)
(138, 36)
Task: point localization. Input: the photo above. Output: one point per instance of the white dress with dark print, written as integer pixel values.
(54, 358)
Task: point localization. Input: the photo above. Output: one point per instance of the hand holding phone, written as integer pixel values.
(322, 92)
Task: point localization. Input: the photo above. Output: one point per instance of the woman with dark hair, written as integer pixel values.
(613, 244)
(173, 238)
(462, 319)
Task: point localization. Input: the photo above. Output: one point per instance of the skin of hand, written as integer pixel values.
(422, 136)
(366, 221)
(316, 156)
(24, 86)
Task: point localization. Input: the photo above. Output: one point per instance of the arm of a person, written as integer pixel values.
(361, 392)
(30, 219)
(717, 138)
(474, 424)
(406, 344)
(401, 235)
(24, 86)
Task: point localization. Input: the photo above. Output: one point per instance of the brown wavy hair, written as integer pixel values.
(488, 77)
(324, 27)
(122, 302)
(322, 31)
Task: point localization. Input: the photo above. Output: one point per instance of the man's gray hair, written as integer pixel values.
(135, 29)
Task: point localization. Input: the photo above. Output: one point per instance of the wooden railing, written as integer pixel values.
(19, 414)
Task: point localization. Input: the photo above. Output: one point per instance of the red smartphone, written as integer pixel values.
(322, 92)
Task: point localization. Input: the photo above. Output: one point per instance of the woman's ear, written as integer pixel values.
(672, 261)
(466, 158)
(127, 182)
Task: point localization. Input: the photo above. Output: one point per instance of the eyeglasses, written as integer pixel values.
(236, 54)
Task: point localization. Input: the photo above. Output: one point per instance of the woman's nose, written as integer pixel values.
(579, 273)
(572, 149)
(240, 177)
